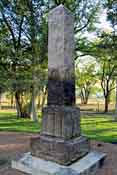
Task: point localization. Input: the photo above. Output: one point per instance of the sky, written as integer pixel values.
(103, 24)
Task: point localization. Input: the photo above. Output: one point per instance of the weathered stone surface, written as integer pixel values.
(61, 92)
(88, 165)
(61, 81)
(59, 150)
(61, 121)
(60, 139)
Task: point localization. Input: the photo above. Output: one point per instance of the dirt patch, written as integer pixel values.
(13, 144)
(110, 164)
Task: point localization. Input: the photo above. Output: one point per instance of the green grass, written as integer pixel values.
(9, 122)
(98, 127)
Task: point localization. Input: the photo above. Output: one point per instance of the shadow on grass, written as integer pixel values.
(12, 123)
(4, 117)
(89, 122)
(97, 127)
(106, 135)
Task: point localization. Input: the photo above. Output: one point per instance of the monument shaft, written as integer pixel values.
(61, 84)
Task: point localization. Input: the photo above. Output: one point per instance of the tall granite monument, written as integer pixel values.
(60, 139)
(60, 149)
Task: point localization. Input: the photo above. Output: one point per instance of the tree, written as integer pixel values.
(85, 12)
(111, 6)
(104, 55)
(24, 25)
(107, 80)
(110, 42)
(13, 21)
(116, 98)
(4, 73)
(85, 80)
(26, 43)
(101, 49)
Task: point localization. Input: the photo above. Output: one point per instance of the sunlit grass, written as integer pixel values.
(98, 127)
(9, 122)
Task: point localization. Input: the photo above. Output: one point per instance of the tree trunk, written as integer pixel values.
(18, 107)
(39, 102)
(84, 97)
(11, 100)
(85, 101)
(116, 102)
(21, 112)
(33, 113)
(0, 100)
(87, 93)
(106, 103)
(44, 97)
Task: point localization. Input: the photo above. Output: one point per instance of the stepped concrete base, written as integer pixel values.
(88, 165)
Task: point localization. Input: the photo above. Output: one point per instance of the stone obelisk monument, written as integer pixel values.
(60, 142)
(60, 139)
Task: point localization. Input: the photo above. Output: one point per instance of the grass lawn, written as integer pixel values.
(98, 127)
(9, 122)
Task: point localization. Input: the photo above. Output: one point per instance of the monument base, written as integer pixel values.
(88, 165)
(59, 150)
(61, 121)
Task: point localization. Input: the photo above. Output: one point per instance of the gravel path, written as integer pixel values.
(13, 144)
